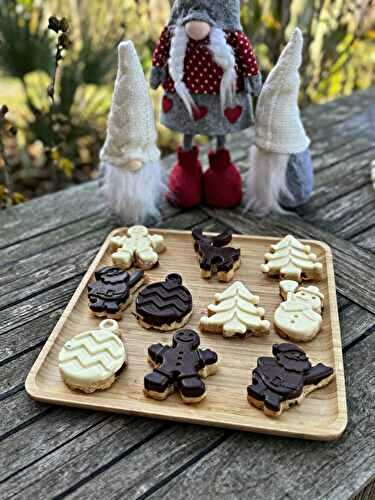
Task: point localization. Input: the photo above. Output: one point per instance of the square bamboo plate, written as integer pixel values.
(322, 416)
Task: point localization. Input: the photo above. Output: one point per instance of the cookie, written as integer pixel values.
(113, 290)
(214, 257)
(299, 317)
(93, 360)
(137, 248)
(310, 295)
(235, 312)
(285, 380)
(165, 305)
(180, 367)
(292, 260)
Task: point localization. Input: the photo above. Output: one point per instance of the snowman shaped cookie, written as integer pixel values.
(299, 317)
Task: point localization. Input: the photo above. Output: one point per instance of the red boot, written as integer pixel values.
(185, 183)
(222, 181)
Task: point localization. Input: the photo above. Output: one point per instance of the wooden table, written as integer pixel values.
(50, 452)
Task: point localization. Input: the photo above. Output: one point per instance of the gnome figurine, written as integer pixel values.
(281, 171)
(130, 160)
(209, 72)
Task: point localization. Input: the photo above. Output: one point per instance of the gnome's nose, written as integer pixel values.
(197, 30)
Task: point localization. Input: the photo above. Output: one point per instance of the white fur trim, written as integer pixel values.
(133, 196)
(266, 181)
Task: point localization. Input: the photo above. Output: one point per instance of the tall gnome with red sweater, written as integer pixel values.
(209, 72)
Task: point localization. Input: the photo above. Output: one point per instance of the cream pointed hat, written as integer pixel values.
(131, 133)
(278, 125)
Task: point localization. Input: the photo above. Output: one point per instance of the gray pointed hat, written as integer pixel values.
(224, 14)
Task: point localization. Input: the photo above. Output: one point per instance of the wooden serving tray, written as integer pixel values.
(322, 416)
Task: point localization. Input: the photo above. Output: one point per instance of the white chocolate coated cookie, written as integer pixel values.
(310, 295)
(292, 260)
(137, 248)
(299, 317)
(91, 360)
(235, 312)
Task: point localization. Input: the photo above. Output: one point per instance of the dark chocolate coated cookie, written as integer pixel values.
(112, 291)
(215, 256)
(180, 367)
(165, 305)
(285, 379)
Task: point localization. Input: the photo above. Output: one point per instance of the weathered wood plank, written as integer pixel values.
(119, 444)
(41, 215)
(354, 266)
(278, 468)
(22, 259)
(200, 455)
(68, 452)
(346, 206)
(19, 411)
(366, 239)
(368, 493)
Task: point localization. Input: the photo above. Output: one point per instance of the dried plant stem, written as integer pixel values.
(7, 173)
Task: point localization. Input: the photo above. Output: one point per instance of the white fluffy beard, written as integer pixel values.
(133, 196)
(223, 56)
(266, 181)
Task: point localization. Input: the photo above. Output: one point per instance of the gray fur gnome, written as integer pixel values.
(209, 72)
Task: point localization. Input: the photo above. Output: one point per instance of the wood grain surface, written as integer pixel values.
(322, 415)
(46, 246)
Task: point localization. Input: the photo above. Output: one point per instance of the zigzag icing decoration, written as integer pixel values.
(92, 356)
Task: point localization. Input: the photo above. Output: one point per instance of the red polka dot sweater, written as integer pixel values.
(202, 74)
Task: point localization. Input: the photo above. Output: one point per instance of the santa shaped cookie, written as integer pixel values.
(137, 248)
(235, 312)
(299, 317)
(292, 260)
(281, 381)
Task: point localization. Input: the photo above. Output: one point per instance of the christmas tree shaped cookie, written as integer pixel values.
(299, 317)
(291, 260)
(235, 312)
(137, 248)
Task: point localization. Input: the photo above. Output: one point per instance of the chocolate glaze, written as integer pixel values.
(212, 255)
(164, 303)
(179, 365)
(111, 289)
(283, 377)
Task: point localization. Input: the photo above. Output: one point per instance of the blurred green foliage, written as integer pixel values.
(339, 58)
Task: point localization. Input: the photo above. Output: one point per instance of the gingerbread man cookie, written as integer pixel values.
(113, 290)
(93, 360)
(180, 367)
(299, 317)
(137, 248)
(291, 260)
(285, 380)
(215, 257)
(235, 312)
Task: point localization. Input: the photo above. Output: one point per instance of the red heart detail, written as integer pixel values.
(167, 104)
(233, 114)
(199, 112)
